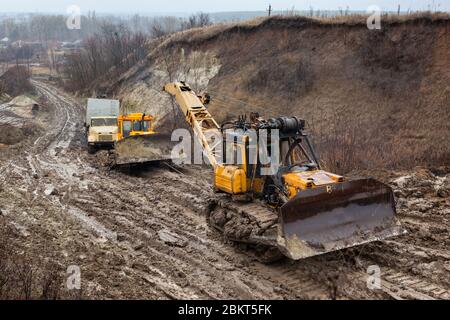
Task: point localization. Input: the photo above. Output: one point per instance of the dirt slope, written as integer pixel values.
(372, 98)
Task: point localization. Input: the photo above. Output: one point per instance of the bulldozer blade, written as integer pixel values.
(144, 149)
(335, 217)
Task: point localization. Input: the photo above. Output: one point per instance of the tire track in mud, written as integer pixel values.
(412, 287)
(205, 260)
(144, 235)
(46, 157)
(189, 259)
(64, 171)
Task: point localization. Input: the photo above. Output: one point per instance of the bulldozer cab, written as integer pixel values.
(136, 124)
(255, 163)
(292, 152)
(138, 143)
(298, 154)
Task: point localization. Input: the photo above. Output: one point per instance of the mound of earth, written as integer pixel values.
(24, 107)
(11, 134)
(23, 101)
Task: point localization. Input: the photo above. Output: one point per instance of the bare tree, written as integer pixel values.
(110, 52)
(162, 26)
(24, 52)
(198, 20)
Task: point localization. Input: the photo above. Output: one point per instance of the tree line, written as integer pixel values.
(115, 48)
(45, 27)
(110, 44)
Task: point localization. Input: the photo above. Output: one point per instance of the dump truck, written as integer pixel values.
(139, 143)
(297, 211)
(101, 123)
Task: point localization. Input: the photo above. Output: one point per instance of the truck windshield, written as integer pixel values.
(104, 122)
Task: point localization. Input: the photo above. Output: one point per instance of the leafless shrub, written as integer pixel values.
(23, 276)
(345, 145)
(175, 68)
(109, 53)
(172, 62)
(15, 81)
(51, 282)
(162, 26)
(198, 20)
(5, 263)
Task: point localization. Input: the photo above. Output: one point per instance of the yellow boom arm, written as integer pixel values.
(205, 127)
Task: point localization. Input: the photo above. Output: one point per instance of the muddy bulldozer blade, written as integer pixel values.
(143, 149)
(344, 215)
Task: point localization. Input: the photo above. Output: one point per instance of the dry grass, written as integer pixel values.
(200, 35)
(347, 145)
(267, 76)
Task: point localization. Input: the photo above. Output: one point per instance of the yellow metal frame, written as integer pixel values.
(199, 119)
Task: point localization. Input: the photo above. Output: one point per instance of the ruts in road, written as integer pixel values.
(143, 234)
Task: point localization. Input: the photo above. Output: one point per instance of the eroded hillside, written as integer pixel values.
(373, 98)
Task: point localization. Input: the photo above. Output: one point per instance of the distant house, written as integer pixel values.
(35, 45)
(72, 45)
(4, 43)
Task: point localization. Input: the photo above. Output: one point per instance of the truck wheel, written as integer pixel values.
(91, 149)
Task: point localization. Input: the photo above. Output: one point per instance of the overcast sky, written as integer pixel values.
(179, 6)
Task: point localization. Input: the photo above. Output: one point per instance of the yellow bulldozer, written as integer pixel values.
(138, 143)
(299, 210)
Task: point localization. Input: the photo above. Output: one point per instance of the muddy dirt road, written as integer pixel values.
(143, 234)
